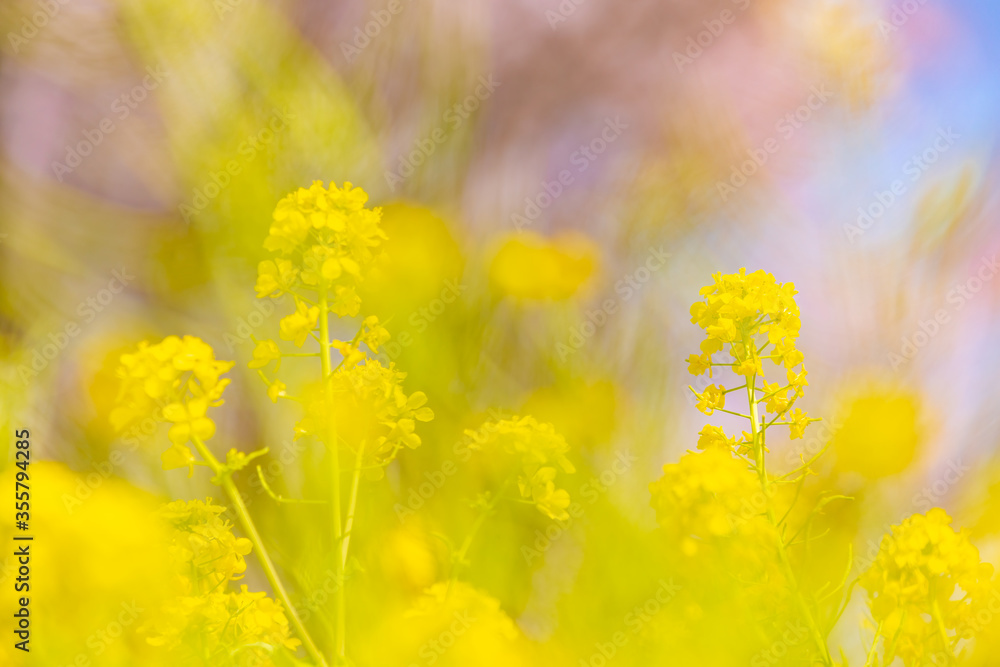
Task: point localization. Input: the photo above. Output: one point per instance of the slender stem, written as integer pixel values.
(730, 412)
(353, 502)
(941, 630)
(258, 544)
(324, 340)
(758, 443)
(871, 652)
(281, 499)
(459, 558)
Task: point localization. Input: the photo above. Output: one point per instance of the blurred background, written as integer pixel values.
(558, 181)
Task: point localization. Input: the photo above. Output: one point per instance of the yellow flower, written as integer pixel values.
(276, 390)
(178, 456)
(374, 334)
(880, 430)
(699, 363)
(540, 452)
(785, 353)
(749, 367)
(777, 398)
(189, 421)
(206, 551)
(327, 241)
(275, 278)
(450, 625)
(713, 436)
(352, 355)
(927, 580)
(335, 217)
(103, 562)
(184, 377)
(264, 353)
(747, 312)
(799, 420)
(530, 267)
(297, 326)
(712, 399)
(542, 490)
(703, 498)
(371, 410)
(798, 380)
(346, 302)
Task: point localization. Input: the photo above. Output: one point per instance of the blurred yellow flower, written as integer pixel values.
(536, 446)
(533, 268)
(879, 430)
(420, 266)
(264, 353)
(205, 623)
(371, 410)
(452, 625)
(182, 376)
(924, 588)
(297, 326)
(99, 565)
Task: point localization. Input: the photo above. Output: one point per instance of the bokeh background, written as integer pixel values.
(558, 181)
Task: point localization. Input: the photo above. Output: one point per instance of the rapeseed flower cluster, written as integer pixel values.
(722, 504)
(176, 380)
(326, 240)
(742, 538)
(750, 318)
(540, 454)
(924, 589)
(373, 413)
(207, 620)
(702, 500)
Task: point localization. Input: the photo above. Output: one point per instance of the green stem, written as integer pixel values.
(871, 652)
(353, 503)
(246, 521)
(941, 630)
(338, 534)
(786, 565)
(459, 558)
